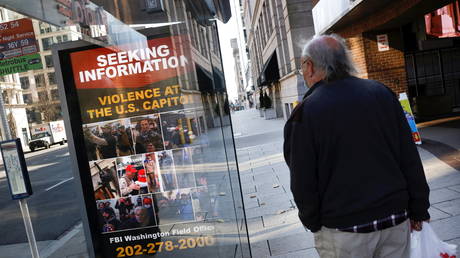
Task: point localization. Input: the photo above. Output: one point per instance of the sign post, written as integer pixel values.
(19, 184)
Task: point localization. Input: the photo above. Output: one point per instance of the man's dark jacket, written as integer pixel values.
(352, 158)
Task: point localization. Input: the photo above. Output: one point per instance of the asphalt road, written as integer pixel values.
(53, 205)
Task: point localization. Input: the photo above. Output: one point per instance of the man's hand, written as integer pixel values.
(417, 225)
(134, 187)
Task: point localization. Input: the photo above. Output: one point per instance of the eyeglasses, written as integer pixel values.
(300, 70)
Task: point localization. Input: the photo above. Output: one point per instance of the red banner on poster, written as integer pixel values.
(133, 68)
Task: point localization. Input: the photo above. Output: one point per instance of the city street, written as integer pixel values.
(52, 206)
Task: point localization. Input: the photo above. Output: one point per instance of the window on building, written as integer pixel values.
(19, 98)
(54, 94)
(202, 41)
(33, 116)
(40, 80)
(263, 28)
(65, 38)
(49, 61)
(46, 43)
(25, 84)
(195, 34)
(2, 79)
(269, 16)
(52, 78)
(59, 39)
(42, 96)
(6, 100)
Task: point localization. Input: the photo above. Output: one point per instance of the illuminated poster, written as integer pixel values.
(144, 147)
(410, 117)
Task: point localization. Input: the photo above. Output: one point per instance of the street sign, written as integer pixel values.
(20, 64)
(18, 47)
(16, 169)
(382, 42)
(19, 184)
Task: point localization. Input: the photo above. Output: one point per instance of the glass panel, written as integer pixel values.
(150, 119)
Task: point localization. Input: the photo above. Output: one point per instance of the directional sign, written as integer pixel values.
(18, 47)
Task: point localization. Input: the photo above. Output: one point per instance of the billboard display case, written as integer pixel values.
(151, 141)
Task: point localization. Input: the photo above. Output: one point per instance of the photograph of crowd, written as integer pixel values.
(168, 180)
(147, 134)
(175, 206)
(127, 213)
(179, 129)
(132, 177)
(108, 139)
(183, 165)
(152, 172)
(104, 178)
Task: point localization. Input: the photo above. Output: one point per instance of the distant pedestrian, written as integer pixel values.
(356, 175)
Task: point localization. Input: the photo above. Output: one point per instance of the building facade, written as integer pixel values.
(12, 96)
(412, 46)
(277, 31)
(239, 79)
(40, 87)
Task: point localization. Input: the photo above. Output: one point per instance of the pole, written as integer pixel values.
(5, 129)
(6, 134)
(29, 228)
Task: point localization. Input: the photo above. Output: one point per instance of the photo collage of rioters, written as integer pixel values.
(143, 171)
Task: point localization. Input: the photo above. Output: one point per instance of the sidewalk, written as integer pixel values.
(274, 228)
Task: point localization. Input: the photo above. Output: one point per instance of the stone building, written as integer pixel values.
(277, 30)
(239, 81)
(40, 86)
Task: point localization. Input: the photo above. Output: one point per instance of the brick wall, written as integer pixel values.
(356, 45)
(387, 67)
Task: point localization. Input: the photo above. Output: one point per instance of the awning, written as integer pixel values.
(204, 80)
(270, 72)
(210, 83)
(205, 10)
(367, 8)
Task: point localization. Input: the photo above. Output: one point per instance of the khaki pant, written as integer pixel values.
(392, 242)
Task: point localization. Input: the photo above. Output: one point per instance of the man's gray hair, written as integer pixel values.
(329, 53)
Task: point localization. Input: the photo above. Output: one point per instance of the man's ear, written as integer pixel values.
(310, 68)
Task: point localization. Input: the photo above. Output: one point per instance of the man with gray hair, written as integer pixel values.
(356, 175)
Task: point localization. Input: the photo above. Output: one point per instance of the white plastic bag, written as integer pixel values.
(426, 244)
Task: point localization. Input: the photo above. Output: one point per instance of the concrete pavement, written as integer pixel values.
(273, 225)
